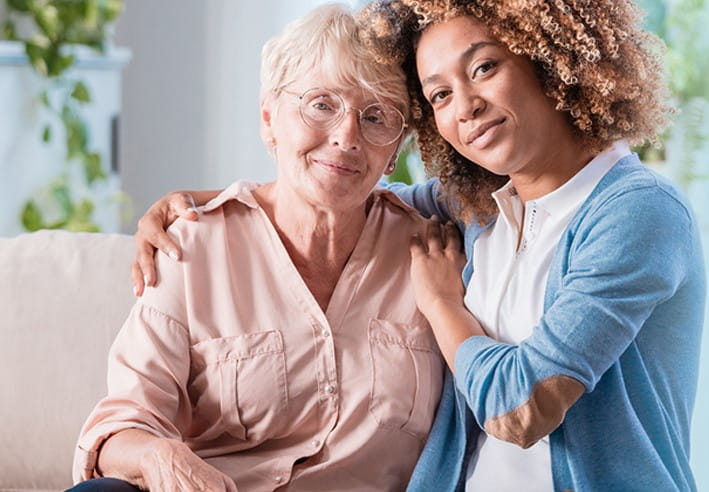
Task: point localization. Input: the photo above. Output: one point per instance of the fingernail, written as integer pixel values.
(135, 291)
(145, 280)
(173, 254)
(193, 209)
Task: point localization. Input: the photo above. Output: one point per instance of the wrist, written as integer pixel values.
(441, 307)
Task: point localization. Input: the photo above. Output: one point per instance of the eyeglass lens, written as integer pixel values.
(380, 123)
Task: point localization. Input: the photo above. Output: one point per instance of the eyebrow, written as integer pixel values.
(466, 55)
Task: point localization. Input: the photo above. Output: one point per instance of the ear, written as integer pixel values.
(268, 105)
(391, 166)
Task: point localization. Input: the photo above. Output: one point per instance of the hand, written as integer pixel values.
(151, 235)
(437, 261)
(169, 465)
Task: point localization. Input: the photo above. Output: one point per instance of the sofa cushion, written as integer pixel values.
(63, 297)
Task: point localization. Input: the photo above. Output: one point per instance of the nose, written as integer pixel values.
(347, 134)
(469, 106)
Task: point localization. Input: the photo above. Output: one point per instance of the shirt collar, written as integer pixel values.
(242, 192)
(572, 193)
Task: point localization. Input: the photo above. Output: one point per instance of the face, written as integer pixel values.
(488, 103)
(335, 167)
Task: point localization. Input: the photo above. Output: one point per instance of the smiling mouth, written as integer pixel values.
(482, 135)
(336, 167)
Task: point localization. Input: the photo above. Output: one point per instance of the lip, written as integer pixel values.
(336, 167)
(484, 133)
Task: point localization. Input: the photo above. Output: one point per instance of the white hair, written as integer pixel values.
(328, 38)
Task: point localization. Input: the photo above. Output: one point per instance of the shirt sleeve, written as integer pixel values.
(617, 266)
(148, 369)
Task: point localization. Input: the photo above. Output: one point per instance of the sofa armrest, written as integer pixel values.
(63, 298)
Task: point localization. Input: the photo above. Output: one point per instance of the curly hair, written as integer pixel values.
(591, 58)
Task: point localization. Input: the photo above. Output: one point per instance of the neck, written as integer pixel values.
(318, 240)
(550, 171)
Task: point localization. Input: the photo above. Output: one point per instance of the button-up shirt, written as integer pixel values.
(232, 354)
(506, 294)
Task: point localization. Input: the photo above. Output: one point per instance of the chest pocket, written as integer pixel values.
(238, 386)
(407, 376)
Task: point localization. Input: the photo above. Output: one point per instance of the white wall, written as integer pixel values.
(190, 94)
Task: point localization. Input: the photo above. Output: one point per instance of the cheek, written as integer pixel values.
(445, 125)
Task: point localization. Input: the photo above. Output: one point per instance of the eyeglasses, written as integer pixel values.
(380, 123)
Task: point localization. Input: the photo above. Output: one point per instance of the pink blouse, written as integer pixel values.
(232, 354)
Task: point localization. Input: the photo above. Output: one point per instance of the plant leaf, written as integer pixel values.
(19, 5)
(111, 9)
(47, 19)
(31, 217)
(37, 56)
(60, 63)
(47, 134)
(9, 31)
(92, 168)
(82, 221)
(81, 93)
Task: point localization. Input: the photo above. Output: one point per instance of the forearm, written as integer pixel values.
(122, 454)
(452, 324)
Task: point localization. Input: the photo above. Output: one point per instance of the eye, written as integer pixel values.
(374, 119)
(321, 105)
(320, 102)
(439, 96)
(483, 69)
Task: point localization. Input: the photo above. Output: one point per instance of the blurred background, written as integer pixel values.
(105, 105)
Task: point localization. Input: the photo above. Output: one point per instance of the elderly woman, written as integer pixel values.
(285, 350)
(574, 341)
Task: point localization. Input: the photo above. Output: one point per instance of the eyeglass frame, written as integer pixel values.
(339, 119)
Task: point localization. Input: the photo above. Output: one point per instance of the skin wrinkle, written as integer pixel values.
(540, 415)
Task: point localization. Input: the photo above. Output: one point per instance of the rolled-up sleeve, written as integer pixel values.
(613, 280)
(148, 367)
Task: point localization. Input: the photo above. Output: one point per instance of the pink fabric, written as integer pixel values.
(233, 354)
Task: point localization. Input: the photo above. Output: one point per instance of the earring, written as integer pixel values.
(391, 167)
(270, 142)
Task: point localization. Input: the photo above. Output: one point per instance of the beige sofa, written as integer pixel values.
(63, 297)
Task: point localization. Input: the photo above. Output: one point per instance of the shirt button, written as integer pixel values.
(325, 333)
(315, 443)
(329, 388)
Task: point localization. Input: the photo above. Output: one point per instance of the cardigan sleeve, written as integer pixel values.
(426, 197)
(615, 264)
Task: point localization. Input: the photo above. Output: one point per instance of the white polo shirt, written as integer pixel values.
(506, 294)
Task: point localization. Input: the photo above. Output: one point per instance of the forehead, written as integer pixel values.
(445, 41)
(350, 91)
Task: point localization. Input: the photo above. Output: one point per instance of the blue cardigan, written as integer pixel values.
(623, 314)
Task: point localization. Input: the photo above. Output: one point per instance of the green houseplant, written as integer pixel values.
(52, 31)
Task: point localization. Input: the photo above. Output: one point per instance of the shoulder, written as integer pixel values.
(631, 201)
(630, 185)
(226, 208)
(635, 216)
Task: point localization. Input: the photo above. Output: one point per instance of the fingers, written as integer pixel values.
(434, 237)
(452, 238)
(183, 205)
(416, 246)
(137, 277)
(144, 262)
